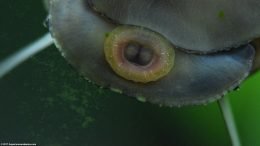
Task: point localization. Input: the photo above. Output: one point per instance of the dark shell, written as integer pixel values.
(196, 79)
(256, 44)
(201, 26)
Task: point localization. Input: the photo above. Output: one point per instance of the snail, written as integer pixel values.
(159, 51)
(171, 53)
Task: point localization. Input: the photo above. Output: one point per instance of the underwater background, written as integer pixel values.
(45, 101)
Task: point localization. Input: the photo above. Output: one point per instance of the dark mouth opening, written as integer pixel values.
(138, 54)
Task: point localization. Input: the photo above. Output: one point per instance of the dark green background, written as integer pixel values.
(44, 101)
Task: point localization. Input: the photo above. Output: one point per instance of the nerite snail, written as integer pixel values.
(172, 57)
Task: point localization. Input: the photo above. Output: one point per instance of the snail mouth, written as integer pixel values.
(138, 54)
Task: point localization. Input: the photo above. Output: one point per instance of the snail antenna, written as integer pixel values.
(25, 53)
(228, 117)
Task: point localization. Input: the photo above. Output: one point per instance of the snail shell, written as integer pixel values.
(200, 26)
(256, 44)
